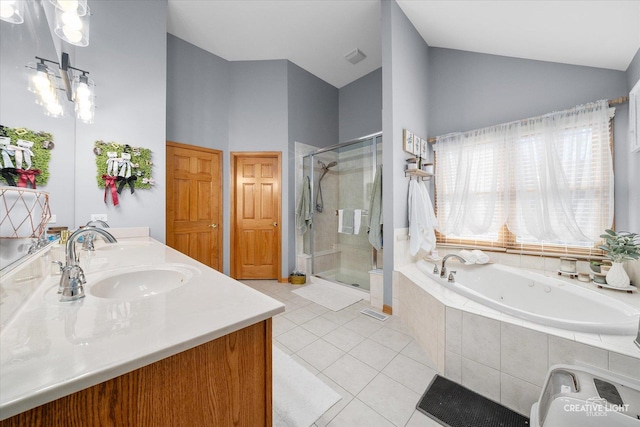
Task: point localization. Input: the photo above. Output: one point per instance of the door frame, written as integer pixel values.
(234, 156)
(221, 198)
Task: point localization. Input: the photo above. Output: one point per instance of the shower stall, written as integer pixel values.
(341, 179)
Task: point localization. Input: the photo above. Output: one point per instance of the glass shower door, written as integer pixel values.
(342, 179)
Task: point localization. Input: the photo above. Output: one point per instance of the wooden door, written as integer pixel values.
(256, 195)
(194, 202)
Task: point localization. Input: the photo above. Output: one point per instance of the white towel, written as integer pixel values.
(345, 221)
(357, 220)
(481, 257)
(468, 256)
(422, 220)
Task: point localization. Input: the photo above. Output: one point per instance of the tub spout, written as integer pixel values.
(443, 270)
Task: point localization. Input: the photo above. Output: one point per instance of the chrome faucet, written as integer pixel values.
(87, 243)
(98, 222)
(71, 275)
(443, 270)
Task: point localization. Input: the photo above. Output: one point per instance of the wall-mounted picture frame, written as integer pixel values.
(417, 145)
(407, 140)
(424, 149)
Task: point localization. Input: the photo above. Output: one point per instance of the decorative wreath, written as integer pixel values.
(120, 166)
(24, 156)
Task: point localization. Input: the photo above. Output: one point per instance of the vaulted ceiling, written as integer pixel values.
(316, 34)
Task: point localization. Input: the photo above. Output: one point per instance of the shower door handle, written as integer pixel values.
(275, 224)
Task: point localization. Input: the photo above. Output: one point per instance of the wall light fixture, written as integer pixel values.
(72, 21)
(43, 81)
(12, 11)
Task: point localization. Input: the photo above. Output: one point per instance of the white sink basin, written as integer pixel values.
(140, 282)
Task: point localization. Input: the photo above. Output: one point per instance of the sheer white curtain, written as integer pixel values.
(550, 179)
(562, 176)
(471, 182)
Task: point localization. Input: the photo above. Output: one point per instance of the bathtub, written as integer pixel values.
(540, 299)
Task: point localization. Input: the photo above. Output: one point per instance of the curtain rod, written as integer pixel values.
(612, 102)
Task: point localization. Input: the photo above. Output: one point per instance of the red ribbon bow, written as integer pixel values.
(27, 175)
(110, 181)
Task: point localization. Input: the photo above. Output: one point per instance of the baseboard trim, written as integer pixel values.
(283, 280)
(386, 309)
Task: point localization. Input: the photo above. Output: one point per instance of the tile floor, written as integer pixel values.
(377, 367)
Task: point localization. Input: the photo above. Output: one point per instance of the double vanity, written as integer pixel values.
(159, 339)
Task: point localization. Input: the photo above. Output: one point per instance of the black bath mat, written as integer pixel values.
(453, 405)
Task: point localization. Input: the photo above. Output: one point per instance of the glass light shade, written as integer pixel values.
(41, 79)
(84, 98)
(86, 113)
(12, 11)
(73, 27)
(54, 109)
(79, 7)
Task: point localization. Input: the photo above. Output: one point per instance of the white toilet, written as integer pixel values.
(587, 397)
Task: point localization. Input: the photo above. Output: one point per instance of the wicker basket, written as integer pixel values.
(298, 280)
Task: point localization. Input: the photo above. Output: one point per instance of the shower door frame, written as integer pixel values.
(373, 137)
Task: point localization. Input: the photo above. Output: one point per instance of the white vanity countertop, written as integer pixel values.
(50, 349)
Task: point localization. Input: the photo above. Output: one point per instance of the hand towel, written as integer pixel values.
(481, 257)
(357, 220)
(303, 212)
(375, 211)
(468, 256)
(345, 221)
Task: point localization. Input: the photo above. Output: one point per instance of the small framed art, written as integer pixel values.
(407, 140)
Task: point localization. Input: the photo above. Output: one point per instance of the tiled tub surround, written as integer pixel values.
(495, 354)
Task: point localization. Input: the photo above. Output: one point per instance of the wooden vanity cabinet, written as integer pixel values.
(225, 382)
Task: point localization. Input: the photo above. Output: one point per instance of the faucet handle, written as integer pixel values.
(451, 278)
(435, 269)
(59, 265)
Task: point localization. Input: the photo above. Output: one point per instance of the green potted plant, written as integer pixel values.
(595, 266)
(619, 246)
(298, 278)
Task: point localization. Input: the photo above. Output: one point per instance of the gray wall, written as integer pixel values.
(405, 69)
(313, 109)
(248, 106)
(258, 122)
(360, 107)
(197, 96)
(312, 120)
(19, 44)
(633, 71)
(633, 178)
(128, 62)
(474, 90)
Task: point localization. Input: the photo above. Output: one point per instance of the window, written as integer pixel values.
(542, 183)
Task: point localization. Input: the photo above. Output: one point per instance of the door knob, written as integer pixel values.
(275, 224)
(213, 225)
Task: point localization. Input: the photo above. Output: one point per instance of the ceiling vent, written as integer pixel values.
(355, 56)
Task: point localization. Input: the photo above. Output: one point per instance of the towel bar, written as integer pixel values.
(364, 212)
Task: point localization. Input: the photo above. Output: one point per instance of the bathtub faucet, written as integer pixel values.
(443, 270)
